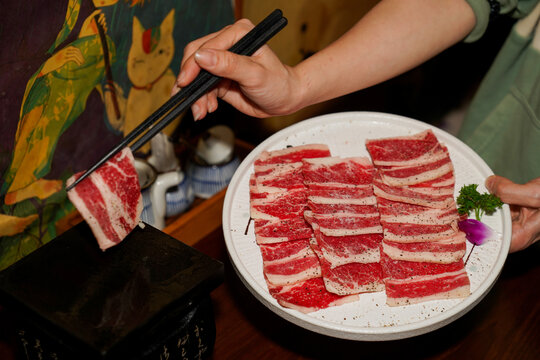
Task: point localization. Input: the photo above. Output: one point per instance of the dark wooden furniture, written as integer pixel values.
(504, 325)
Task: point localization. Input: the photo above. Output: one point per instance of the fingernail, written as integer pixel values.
(212, 108)
(175, 89)
(489, 182)
(196, 112)
(206, 57)
(180, 78)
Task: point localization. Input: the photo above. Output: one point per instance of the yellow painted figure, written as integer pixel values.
(54, 97)
(148, 68)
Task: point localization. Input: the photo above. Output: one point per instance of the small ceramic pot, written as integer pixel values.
(154, 188)
(179, 198)
(207, 180)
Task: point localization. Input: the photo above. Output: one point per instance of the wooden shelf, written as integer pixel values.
(203, 218)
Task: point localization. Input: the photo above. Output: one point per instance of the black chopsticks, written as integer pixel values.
(186, 97)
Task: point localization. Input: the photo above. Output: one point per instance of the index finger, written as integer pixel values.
(195, 45)
(223, 39)
(515, 194)
(188, 67)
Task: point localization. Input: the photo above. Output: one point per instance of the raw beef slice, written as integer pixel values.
(109, 199)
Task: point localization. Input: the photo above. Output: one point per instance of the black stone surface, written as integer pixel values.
(105, 304)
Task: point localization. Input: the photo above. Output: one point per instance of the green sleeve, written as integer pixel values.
(514, 8)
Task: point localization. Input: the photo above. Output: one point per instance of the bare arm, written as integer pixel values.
(395, 36)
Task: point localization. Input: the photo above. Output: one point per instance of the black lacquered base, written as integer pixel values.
(146, 298)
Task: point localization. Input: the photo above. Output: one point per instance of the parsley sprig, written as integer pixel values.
(470, 199)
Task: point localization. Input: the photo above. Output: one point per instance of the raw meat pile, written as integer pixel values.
(109, 199)
(330, 228)
(278, 201)
(422, 248)
(345, 220)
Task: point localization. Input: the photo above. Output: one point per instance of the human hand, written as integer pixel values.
(259, 85)
(89, 27)
(62, 57)
(524, 201)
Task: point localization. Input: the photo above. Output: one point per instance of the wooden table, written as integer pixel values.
(504, 325)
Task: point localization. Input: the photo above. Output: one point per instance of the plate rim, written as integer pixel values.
(341, 330)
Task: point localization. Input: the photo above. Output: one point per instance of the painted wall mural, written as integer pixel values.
(77, 75)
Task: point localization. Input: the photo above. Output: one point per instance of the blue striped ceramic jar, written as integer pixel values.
(179, 198)
(208, 180)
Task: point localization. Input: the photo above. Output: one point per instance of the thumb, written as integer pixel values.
(225, 64)
(514, 194)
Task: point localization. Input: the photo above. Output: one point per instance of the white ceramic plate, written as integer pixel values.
(368, 318)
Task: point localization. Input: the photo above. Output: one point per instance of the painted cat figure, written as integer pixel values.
(148, 69)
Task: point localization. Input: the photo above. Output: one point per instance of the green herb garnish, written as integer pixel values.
(470, 199)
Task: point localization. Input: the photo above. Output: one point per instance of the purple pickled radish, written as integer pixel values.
(476, 231)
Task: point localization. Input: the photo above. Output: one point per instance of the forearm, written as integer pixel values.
(395, 36)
